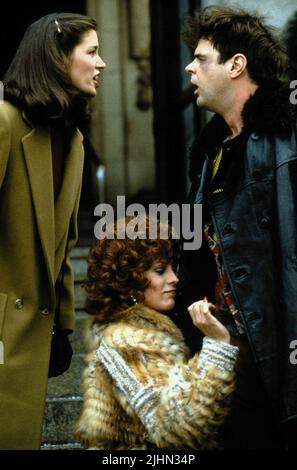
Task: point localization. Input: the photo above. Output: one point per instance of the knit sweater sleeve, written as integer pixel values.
(185, 409)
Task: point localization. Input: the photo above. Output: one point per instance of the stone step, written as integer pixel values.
(79, 263)
(61, 415)
(62, 446)
(79, 294)
(80, 252)
(79, 267)
(81, 314)
(77, 337)
(64, 400)
(69, 383)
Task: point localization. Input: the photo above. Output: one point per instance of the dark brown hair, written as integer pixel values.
(116, 269)
(234, 30)
(37, 80)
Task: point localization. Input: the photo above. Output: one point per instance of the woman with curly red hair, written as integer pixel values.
(142, 390)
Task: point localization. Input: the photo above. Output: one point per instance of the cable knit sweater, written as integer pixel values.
(142, 390)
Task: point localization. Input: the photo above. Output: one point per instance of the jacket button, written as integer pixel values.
(264, 222)
(44, 310)
(255, 136)
(19, 304)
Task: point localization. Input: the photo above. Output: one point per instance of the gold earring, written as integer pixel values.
(132, 301)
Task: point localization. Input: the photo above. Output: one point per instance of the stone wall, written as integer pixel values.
(122, 132)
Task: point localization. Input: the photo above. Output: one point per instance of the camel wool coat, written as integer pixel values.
(33, 237)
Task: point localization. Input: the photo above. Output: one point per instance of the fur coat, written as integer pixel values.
(143, 391)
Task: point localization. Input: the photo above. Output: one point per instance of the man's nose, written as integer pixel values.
(189, 68)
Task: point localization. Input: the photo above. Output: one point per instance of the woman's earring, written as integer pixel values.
(132, 301)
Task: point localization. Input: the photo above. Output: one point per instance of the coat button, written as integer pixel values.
(19, 304)
(44, 310)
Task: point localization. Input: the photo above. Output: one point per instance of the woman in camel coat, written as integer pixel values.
(41, 164)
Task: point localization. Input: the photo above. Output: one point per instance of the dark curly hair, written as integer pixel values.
(232, 30)
(116, 269)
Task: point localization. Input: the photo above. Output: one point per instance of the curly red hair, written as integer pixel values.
(116, 269)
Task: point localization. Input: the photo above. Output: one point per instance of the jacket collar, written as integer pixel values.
(142, 317)
(268, 111)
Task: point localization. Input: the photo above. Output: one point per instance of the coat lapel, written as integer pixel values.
(52, 220)
(69, 190)
(37, 152)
